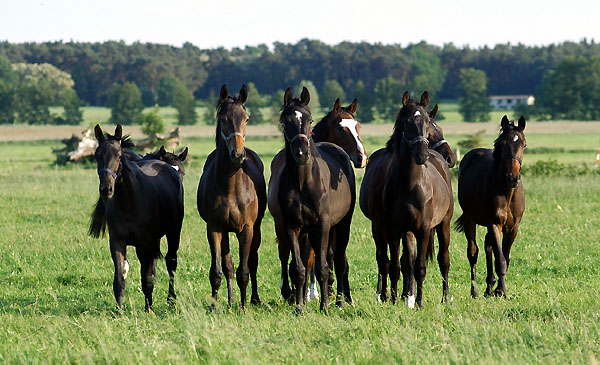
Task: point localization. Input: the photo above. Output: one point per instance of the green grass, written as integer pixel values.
(56, 301)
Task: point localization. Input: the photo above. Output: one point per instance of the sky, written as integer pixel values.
(239, 23)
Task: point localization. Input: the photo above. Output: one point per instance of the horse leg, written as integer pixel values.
(407, 264)
(308, 256)
(319, 239)
(331, 257)
(118, 253)
(284, 255)
(147, 273)
(501, 263)
(227, 264)
(253, 263)
(472, 253)
(383, 262)
(420, 262)
(394, 269)
(508, 237)
(297, 269)
(216, 272)
(443, 256)
(341, 237)
(243, 272)
(173, 239)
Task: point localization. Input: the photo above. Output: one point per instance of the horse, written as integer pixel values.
(175, 160)
(404, 191)
(232, 197)
(341, 128)
(140, 202)
(491, 194)
(312, 194)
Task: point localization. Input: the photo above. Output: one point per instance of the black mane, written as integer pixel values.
(396, 136)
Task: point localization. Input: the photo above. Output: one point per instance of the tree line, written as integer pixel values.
(374, 73)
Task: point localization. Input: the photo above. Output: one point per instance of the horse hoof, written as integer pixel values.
(410, 302)
(255, 300)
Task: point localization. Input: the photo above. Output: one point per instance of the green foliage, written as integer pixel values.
(331, 91)
(186, 106)
(45, 73)
(474, 140)
(8, 88)
(33, 102)
(314, 105)
(474, 104)
(254, 104)
(71, 102)
(151, 122)
(125, 103)
(365, 99)
(553, 168)
(427, 71)
(388, 93)
(572, 91)
(167, 89)
(148, 96)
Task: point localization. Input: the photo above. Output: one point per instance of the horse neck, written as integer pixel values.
(405, 159)
(125, 193)
(225, 168)
(499, 178)
(320, 132)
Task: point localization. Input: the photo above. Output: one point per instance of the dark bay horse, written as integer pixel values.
(140, 202)
(232, 197)
(173, 159)
(404, 191)
(311, 194)
(341, 128)
(491, 194)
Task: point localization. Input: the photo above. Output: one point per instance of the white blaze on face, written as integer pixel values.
(417, 113)
(298, 116)
(352, 124)
(516, 138)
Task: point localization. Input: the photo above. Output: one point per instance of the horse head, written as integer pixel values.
(413, 122)
(436, 139)
(232, 119)
(176, 161)
(296, 120)
(108, 158)
(508, 149)
(343, 129)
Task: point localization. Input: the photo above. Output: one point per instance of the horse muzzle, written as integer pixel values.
(359, 160)
(237, 156)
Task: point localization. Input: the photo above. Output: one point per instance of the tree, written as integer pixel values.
(365, 102)
(152, 123)
(253, 105)
(167, 88)
(37, 73)
(331, 91)
(185, 104)
(34, 99)
(125, 103)
(387, 98)
(427, 71)
(8, 87)
(71, 102)
(473, 104)
(314, 104)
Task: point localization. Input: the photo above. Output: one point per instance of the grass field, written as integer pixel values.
(56, 301)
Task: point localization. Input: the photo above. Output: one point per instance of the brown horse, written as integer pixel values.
(311, 197)
(341, 128)
(491, 194)
(232, 197)
(403, 191)
(139, 202)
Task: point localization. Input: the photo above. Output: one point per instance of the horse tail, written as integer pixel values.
(459, 225)
(98, 220)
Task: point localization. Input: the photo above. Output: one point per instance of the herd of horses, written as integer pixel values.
(406, 192)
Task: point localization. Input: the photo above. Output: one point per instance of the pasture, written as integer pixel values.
(57, 305)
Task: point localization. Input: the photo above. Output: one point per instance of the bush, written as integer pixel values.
(552, 168)
(473, 141)
(152, 123)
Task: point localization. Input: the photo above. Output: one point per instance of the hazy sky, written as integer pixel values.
(235, 23)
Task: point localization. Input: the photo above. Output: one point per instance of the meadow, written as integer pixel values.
(56, 301)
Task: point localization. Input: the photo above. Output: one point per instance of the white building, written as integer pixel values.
(509, 101)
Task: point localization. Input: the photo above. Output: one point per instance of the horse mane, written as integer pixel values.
(126, 141)
(396, 136)
(98, 220)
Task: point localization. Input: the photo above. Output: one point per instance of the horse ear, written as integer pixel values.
(433, 112)
(304, 96)
(505, 122)
(98, 132)
(287, 97)
(424, 99)
(405, 98)
(243, 94)
(521, 124)
(224, 94)
(352, 107)
(118, 132)
(183, 155)
(337, 106)
(161, 151)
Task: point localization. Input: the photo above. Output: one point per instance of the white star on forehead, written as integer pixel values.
(516, 138)
(417, 113)
(298, 115)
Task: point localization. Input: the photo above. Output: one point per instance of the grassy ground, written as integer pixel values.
(56, 302)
